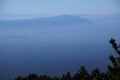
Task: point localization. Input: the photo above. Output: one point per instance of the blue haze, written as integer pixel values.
(55, 45)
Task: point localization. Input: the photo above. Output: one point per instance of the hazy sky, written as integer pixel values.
(53, 7)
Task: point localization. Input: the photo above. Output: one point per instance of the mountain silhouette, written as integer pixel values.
(47, 21)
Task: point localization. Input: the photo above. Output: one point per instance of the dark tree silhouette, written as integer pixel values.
(113, 72)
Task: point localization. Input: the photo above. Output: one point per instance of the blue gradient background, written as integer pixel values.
(54, 50)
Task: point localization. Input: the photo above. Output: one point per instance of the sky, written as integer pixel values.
(58, 7)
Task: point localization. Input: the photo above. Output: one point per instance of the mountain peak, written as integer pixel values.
(53, 21)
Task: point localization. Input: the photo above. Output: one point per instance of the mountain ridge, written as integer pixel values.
(46, 21)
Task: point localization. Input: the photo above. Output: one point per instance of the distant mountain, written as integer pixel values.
(8, 16)
(111, 17)
(47, 21)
